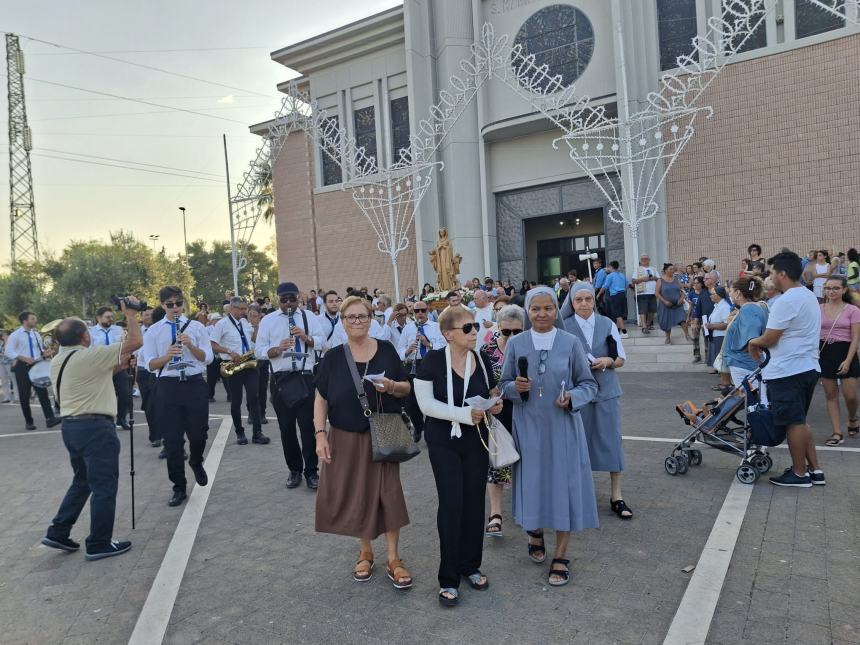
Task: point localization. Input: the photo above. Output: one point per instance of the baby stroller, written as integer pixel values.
(717, 425)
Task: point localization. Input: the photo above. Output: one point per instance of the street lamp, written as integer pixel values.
(184, 233)
(154, 239)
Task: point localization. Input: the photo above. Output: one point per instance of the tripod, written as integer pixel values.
(132, 373)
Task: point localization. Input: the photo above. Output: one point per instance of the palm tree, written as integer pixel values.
(266, 197)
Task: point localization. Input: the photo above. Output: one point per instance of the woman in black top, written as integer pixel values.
(457, 451)
(357, 496)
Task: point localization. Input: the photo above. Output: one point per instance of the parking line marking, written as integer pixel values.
(693, 617)
(154, 617)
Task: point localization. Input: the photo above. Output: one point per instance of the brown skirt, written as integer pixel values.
(357, 496)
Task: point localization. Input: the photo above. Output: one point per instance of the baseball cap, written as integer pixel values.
(287, 287)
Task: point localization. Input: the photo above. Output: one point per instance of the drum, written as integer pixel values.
(40, 374)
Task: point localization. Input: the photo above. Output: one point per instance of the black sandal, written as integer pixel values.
(448, 602)
(619, 508)
(535, 548)
(475, 583)
(494, 528)
(564, 574)
(854, 430)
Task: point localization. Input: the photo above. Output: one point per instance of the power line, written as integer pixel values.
(127, 161)
(153, 135)
(149, 51)
(147, 98)
(115, 114)
(111, 165)
(149, 67)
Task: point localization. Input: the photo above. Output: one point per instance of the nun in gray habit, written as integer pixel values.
(552, 483)
(601, 417)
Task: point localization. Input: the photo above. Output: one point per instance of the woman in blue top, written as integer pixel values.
(749, 322)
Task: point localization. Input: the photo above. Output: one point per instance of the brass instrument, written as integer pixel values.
(47, 334)
(245, 362)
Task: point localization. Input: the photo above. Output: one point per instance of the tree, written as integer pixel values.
(266, 198)
(212, 271)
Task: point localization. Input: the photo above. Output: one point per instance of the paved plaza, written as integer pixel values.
(254, 570)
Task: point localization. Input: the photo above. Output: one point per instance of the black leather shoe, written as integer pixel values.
(179, 496)
(30, 426)
(294, 480)
(61, 543)
(263, 420)
(241, 439)
(313, 481)
(260, 438)
(123, 423)
(200, 475)
(53, 421)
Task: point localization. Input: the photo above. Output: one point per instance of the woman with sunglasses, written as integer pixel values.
(553, 487)
(602, 417)
(510, 321)
(445, 379)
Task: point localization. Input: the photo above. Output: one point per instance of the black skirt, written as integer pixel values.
(832, 356)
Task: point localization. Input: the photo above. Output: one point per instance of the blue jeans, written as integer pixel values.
(94, 453)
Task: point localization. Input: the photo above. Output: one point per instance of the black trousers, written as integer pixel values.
(247, 380)
(460, 469)
(410, 404)
(213, 374)
(25, 389)
(182, 410)
(122, 387)
(299, 458)
(145, 381)
(263, 379)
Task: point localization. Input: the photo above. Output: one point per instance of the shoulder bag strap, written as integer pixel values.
(60, 374)
(832, 327)
(483, 367)
(356, 380)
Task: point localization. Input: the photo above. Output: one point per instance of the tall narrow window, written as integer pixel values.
(330, 168)
(365, 131)
(399, 127)
(758, 38)
(810, 19)
(676, 24)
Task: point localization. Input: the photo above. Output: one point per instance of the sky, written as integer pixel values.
(80, 137)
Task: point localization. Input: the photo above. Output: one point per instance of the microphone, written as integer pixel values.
(523, 367)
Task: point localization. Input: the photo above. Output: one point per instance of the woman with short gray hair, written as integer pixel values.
(510, 322)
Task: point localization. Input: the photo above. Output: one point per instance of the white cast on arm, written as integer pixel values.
(432, 407)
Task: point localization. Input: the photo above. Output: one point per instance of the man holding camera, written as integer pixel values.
(106, 333)
(25, 349)
(82, 374)
(287, 338)
(177, 350)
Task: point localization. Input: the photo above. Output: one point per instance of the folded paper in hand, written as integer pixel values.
(375, 379)
(480, 403)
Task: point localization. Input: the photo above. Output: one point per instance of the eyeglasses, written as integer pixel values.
(288, 297)
(357, 319)
(468, 328)
(832, 289)
(420, 310)
(176, 303)
(544, 354)
(510, 332)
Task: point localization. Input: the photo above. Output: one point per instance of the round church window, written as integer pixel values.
(561, 37)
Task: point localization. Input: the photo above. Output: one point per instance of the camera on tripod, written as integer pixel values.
(118, 301)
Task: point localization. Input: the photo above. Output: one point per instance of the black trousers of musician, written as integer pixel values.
(248, 380)
(182, 410)
(122, 387)
(263, 379)
(299, 458)
(460, 469)
(145, 381)
(25, 389)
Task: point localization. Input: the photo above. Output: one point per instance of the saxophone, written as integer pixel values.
(245, 362)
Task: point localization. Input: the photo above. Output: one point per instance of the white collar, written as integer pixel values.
(585, 321)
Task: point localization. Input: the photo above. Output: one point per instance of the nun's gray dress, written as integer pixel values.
(602, 417)
(552, 483)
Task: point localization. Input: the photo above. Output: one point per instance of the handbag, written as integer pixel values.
(505, 452)
(763, 431)
(390, 433)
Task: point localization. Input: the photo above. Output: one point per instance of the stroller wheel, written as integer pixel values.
(762, 463)
(671, 465)
(747, 474)
(695, 457)
(683, 463)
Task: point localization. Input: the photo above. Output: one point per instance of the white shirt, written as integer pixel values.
(101, 336)
(377, 331)
(396, 332)
(720, 315)
(648, 288)
(138, 355)
(544, 340)
(328, 325)
(160, 337)
(18, 345)
(275, 327)
(798, 315)
(482, 314)
(226, 333)
(410, 332)
(587, 327)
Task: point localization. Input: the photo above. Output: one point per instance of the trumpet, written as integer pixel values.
(245, 362)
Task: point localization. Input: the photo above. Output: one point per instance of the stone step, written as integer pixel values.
(668, 368)
(655, 340)
(633, 350)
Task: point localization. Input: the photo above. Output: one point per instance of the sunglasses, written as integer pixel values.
(544, 354)
(420, 309)
(468, 328)
(290, 297)
(172, 304)
(510, 332)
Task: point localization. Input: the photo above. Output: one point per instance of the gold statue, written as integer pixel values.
(446, 263)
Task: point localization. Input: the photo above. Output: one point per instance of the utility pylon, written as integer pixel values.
(22, 210)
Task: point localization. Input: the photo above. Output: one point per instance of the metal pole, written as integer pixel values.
(393, 242)
(184, 234)
(233, 260)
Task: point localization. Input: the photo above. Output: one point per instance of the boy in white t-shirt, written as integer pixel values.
(645, 279)
(792, 332)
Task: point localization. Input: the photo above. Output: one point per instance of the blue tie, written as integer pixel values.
(173, 338)
(30, 342)
(422, 348)
(107, 336)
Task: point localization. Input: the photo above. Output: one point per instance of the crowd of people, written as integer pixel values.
(543, 359)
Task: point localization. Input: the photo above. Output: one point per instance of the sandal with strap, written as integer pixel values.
(494, 526)
(564, 574)
(619, 508)
(537, 548)
(447, 601)
(363, 568)
(854, 430)
(475, 583)
(402, 580)
(835, 439)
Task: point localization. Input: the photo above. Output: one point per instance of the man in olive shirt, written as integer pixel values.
(88, 408)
